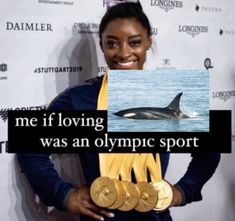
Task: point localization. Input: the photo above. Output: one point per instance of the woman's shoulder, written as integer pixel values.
(71, 96)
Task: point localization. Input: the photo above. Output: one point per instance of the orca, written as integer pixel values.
(172, 111)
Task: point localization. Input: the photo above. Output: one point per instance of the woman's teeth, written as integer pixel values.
(125, 64)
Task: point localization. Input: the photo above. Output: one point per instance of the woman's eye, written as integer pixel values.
(111, 44)
(135, 43)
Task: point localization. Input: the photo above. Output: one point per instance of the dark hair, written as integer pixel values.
(125, 10)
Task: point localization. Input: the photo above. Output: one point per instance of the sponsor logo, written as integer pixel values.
(3, 146)
(3, 67)
(224, 95)
(46, 70)
(102, 69)
(86, 28)
(166, 64)
(227, 32)
(3, 115)
(203, 8)
(4, 111)
(193, 30)
(167, 5)
(233, 137)
(207, 63)
(154, 31)
(104, 3)
(3, 78)
(54, 2)
(26, 26)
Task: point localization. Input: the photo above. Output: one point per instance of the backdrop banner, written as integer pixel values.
(49, 45)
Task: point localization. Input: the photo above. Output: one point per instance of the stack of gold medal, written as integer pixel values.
(114, 189)
(110, 192)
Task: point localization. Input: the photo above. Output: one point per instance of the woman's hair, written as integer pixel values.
(125, 10)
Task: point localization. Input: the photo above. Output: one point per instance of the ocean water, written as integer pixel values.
(130, 89)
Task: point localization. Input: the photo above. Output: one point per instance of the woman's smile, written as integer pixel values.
(125, 64)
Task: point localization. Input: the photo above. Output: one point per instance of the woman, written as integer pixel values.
(125, 37)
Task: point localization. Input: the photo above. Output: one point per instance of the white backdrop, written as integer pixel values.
(48, 45)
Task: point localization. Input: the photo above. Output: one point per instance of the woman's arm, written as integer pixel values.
(200, 170)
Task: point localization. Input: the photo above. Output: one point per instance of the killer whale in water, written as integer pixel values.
(172, 111)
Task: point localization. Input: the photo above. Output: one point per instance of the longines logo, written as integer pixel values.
(167, 5)
(203, 8)
(3, 146)
(227, 32)
(26, 26)
(87, 28)
(193, 30)
(54, 2)
(4, 111)
(224, 95)
(46, 70)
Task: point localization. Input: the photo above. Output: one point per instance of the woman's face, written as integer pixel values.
(124, 43)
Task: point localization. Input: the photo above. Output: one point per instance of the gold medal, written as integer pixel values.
(121, 195)
(165, 195)
(132, 196)
(104, 191)
(148, 197)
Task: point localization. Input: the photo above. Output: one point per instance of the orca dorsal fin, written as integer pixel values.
(175, 103)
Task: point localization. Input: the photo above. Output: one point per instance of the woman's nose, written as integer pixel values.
(124, 51)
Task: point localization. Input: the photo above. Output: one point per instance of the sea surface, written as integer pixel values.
(130, 89)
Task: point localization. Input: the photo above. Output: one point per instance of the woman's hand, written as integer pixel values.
(177, 197)
(80, 202)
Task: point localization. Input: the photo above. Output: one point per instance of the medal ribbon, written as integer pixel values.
(102, 103)
(115, 165)
(109, 163)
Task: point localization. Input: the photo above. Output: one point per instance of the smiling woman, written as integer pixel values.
(125, 47)
(125, 37)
